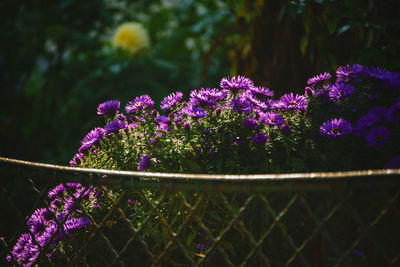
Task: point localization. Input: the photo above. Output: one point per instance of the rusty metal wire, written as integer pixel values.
(166, 219)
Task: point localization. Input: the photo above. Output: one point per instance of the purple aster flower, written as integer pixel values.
(177, 119)
(162, 123)
(162, 119)
(260, 138)
(380, 112)
(77, 159)
(286, 128)
(91, 139)
(140, 103)
(186, 126)
(319, 78)
(335, 127)
(392, 80)
(213, 93)
(60, 190)
(235, 84)
(377, 136)
(76, 223)
(273, 119)
(50, 229)
(308, 91)
(393, 113)
(347, 73)
(56, 205)
(121, 117)
(41, 213)
(292, 102)
(108, 108)
(115, 126)
(260, 97)
(364, 123)
(394, 163)
(194, 112)
(201, 99)
(241, 105)
(341, 90)
(162, 127)
(25, 251)
(377, 73)
(250, 123)
(144, 163)
(171, 100)
(83, 192)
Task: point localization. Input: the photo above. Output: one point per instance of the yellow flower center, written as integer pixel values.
(335, 130)
(137, 104)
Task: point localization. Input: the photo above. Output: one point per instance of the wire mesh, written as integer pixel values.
(149, 219)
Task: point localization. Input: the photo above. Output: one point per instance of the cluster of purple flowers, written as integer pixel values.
(355, 86)
(237, 96)
(254, 109)
(48, 226)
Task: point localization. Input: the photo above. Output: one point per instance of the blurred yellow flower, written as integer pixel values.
(131, 36)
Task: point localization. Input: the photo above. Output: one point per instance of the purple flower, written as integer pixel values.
(121, 117)
(140, 103)
(171, 100)
(162, 127)
(260, 97)
(75, 223)
(50, 229)
(335, 127)
(319, 78)
(377, 136)
(91, 139)
(393, 113)
(202, 99)
(273, 119)
(144, 163)
(347, 73)
(194, 112)
(25, 252)
(115, 126)
(60, 190)
(394, 163)
(291, 102)
(235, 84)
(186, 126)
(286, 128)
(241, 105)
(364, 123)
(381, 113)
(341, 90)
(260, 138)
(77, 159)
(108, 108)
(213, 93)
(250, 123)
(377, 73)
(391, 80)
(162, 119)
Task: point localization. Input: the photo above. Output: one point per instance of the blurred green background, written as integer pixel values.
(57, 63)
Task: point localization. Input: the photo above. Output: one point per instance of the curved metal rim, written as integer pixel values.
(213, 177)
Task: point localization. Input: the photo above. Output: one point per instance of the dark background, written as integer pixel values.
(57, 64)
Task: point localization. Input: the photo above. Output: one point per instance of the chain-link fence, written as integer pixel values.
(133, 218)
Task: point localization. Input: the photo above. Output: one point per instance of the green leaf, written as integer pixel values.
(304, 44)
(343, 29)
(332, 25)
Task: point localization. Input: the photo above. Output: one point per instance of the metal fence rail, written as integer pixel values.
(161, 219)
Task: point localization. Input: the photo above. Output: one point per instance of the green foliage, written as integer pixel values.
(300, 38)
(59, 64)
